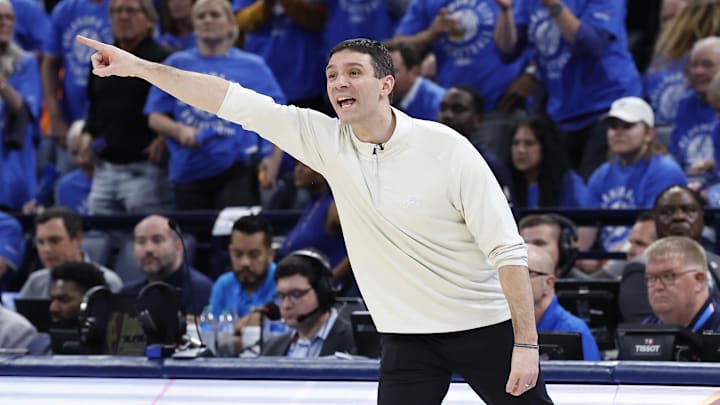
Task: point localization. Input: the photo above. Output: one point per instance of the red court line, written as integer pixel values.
(165, 389)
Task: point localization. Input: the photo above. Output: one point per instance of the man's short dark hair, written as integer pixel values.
(251, 224)
(408, 54)
(477, 98)
(381, 60)
(86, 275)
(71, 220)
(533, 220)
(695, 195)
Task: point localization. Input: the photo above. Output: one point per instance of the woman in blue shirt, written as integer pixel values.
(541, 175)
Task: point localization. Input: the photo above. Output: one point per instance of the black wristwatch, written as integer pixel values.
(555, 9)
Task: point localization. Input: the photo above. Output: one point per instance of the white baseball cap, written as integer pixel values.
(632, 110)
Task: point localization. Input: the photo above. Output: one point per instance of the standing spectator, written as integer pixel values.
(460, 34)
(213, 162)
(32, 25)
(358, 19)
(12, 246)
(127, 177)
(158, 252)
(580, 48)
(540, 173)
(288, 35)
(73, 188)
(176, 27)
(692, 142)
(635, 174)
(70, 18)
(415, 95)
(20, 103)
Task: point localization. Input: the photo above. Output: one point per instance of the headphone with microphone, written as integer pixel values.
(321, 280)
(93, 318)
(567, 243)
(160, 315)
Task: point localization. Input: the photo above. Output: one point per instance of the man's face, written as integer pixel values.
(678, 214)
(7, 23)
(157, 251)
(404, 77)
(457, 111)
(354, 91)
(298, 298)
(525, 150)
(545, 237)
(129, 22)
(704, 65)
(54, 244)
(642, 234)
(674, 289)
(627, 139)
(65, 299)
(250, 258)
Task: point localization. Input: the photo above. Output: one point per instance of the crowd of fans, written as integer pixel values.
(547, 91)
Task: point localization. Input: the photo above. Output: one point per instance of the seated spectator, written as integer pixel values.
(70, 282)
(539, 171)
(20, 104)
(12, 245)
(176, 28)
(414, 95)
(556, 235)
(677, 281)
(691, 142)
(213, 162)
(319, 226)
(461, 108)
(550, 316)
(306, 298)
(635, 174)
(16, 332)
(250, 284)
(158, 252)
(58, 238)
(74, 187)
(642, 234)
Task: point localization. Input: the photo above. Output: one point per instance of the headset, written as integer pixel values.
(567, 243)
(93, 318)
(323, 281)
(159, 313)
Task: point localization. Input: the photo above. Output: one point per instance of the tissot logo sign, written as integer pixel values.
(648, 347)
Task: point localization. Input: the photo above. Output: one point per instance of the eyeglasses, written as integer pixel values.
(293, 295)
(667, 278)
(130, 11)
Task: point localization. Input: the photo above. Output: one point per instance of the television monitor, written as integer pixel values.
(560, 345)
(37, 311)
(367, 338)
(596, 303)
(657, 343)
(710, 342)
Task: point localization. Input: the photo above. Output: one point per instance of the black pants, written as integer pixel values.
(235, 187)
(417, 369)
(587, 148)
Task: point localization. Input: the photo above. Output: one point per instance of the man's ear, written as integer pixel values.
(388, 84)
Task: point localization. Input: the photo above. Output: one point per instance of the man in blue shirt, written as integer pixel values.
(549, 315)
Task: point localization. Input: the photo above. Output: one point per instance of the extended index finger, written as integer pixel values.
(97, 45)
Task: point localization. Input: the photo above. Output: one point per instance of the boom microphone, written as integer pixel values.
(271, 311)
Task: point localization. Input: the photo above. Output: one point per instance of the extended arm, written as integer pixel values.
(515, 281)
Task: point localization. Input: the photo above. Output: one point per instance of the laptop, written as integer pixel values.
(37, 311)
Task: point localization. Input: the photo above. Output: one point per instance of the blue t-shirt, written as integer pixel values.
(615, 186)
(18, 180)
(471, 59)
(357, 19)
(580, 86)
(176, 43)
(70, 18)
(73, 190)
(309, 231)
(572, 195)
(12, 244)
(229, 142)
(423, 101)
(293, 53)
(663, 87)
(692, 135)
(557, 319)
(32, 24)
(228, 294)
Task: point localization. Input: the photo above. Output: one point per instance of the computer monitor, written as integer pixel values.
(560, 345)
(657, 343)
(367, 338)
(596, 303)
(37, 311)
(710, 342)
